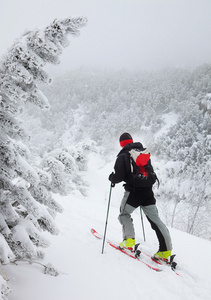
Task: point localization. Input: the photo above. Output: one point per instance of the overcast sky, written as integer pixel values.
(120, 33)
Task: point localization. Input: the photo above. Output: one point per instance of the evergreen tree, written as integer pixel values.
(27, 206)
(65, 164)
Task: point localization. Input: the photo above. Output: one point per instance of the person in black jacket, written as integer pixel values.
(137, 197)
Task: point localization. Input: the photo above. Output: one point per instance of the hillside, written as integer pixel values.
(59, 139)
(168, 111)
(86, 274)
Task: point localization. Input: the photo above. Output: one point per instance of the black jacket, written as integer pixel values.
(138, 196)
(122, 165)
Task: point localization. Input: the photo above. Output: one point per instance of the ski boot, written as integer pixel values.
(127, 244)
(166, 257)
(163, 255)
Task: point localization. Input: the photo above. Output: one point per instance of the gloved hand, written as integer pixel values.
(110, 178)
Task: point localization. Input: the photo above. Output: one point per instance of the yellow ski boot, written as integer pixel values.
(127, 244)
(163, 255)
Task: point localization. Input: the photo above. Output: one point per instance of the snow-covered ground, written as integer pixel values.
(86, 274)
(169, 120)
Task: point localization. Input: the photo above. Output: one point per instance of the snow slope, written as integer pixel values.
(86, 274)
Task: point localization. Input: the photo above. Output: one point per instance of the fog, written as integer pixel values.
(131, 34)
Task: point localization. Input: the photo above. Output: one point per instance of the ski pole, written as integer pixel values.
(142, 223)
(109, 200)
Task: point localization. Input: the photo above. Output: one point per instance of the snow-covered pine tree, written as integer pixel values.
(66, 165)
(26, 203)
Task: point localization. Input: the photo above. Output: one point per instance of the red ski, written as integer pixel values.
(167, 262)
(132, 255)
(161, 262)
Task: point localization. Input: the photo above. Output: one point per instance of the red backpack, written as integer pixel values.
(142, 172)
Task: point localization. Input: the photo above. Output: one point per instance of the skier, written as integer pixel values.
(137, 197)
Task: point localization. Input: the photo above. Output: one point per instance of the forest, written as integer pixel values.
(49, 127)
(169, 110)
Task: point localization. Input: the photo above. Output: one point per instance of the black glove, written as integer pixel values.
(110, 178)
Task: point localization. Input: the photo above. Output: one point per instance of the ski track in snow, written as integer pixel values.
(87, 274)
